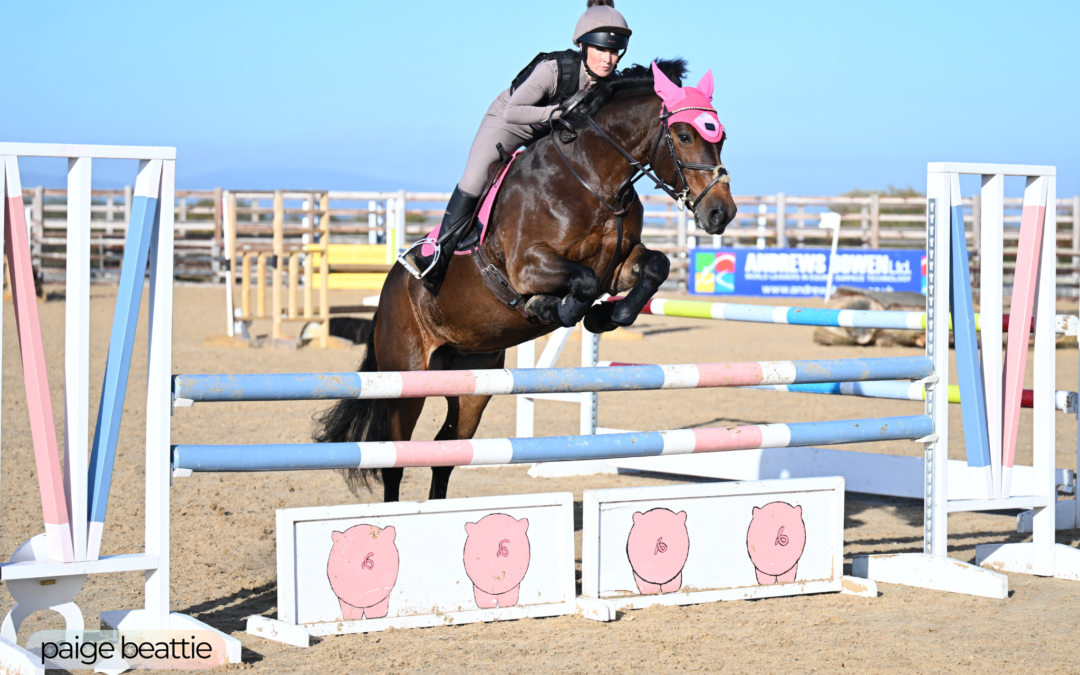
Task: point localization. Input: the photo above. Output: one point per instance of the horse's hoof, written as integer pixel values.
(598, 320)
(545, 308)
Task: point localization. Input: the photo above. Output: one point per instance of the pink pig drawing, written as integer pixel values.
(775, 541)
(496, 558)
(657, 547)
(363, 568)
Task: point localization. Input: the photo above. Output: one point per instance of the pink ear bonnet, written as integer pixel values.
(692, 105)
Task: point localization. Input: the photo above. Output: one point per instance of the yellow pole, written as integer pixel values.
(324, 270)
(279, 258)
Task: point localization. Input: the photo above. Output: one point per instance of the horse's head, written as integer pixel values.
(694, 138)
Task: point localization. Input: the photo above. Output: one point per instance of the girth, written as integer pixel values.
(497, 283)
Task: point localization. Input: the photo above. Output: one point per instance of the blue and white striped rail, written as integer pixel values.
(483, 452)
(324, 386)
(808, 316)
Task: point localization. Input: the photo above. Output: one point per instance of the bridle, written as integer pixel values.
(720, 174)
(682, 197)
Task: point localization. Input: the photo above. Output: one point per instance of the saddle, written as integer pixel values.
(475, 237)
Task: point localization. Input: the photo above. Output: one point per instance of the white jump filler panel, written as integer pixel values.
(688, 544)
(368, 567)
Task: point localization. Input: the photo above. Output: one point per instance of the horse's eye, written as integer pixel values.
(684, 138)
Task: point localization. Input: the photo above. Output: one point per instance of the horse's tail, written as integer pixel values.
(353, 420)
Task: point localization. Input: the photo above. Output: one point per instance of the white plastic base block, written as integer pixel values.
(1064, 518)
(595, 609)
(16, 660)
(585, 467)
(937, 573)
(278, 631)
(1020, 558)
(864, 588)
(138, 619)
(867, 472)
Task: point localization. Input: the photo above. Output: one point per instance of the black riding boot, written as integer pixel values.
(455, 224)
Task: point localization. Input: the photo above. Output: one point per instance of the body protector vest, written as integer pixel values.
(569, 63)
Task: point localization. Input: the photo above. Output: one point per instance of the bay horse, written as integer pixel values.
(565, 229)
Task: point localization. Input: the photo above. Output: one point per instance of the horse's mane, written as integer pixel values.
(632, 80)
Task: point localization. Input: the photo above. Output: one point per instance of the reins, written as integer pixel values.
(497, 283)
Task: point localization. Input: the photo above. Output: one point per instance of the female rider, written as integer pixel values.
(518, 116)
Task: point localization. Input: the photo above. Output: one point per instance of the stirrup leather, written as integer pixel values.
(420, 243)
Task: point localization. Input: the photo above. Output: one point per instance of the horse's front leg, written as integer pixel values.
(642, 273)
(562, 290)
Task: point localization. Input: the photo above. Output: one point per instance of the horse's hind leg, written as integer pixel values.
(403, 414)
(462, 412)
(642, 273)
(462, 419)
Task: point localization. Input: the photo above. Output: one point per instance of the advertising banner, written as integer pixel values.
(803, 272)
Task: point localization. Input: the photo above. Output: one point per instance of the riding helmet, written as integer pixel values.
(602, 26)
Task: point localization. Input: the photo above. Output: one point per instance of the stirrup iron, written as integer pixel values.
(420, 243)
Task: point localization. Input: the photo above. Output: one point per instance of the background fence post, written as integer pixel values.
(1076, 248)
(372, 223)
(976, 218)
(324, 270)
(680, 232)
(399, 244)
(875, 221)
(278, 262)
(781, 220)
(390, 230)
(37, 230)
(864, 224)
(762, 223)
(219, 238)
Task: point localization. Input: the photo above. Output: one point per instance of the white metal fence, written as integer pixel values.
(360, 217)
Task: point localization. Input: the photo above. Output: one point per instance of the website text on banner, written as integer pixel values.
(803, 272)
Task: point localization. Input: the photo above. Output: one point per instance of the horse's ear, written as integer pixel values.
(705, 85)
(667, 90)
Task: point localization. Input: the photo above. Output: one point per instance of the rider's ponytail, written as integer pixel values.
(603, 3)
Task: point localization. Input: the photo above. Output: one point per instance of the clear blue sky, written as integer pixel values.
(818, 98)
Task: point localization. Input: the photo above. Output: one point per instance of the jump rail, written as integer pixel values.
(325, 386)
(486, 452)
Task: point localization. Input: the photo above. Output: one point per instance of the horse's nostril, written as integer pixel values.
(716, 216)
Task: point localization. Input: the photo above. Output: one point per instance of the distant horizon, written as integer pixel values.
(820, 99)
(112, 178)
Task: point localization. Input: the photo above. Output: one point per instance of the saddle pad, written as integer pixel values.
(482, 217)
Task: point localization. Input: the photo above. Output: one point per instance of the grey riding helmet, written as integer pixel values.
(602, 26)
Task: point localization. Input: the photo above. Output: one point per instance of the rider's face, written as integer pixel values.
(601, 61)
